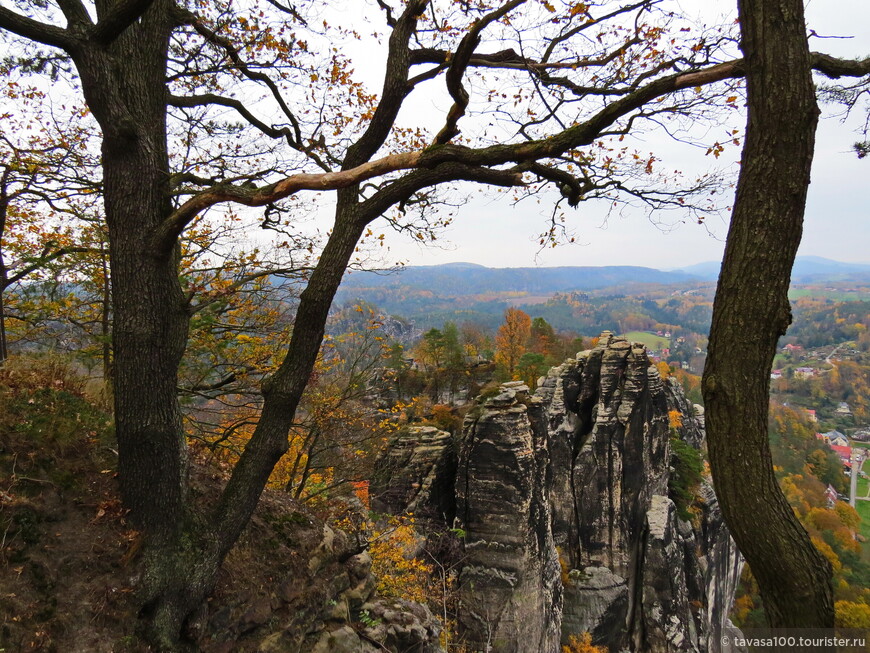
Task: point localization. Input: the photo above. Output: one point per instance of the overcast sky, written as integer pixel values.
(492, 232)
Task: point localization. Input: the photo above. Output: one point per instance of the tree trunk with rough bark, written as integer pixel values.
(124, 85)
(4, 354)
(751, 311)
(4, 208)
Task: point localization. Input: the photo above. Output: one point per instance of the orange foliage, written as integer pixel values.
(361, 490)
(512, 338)
(582, 643)
(664, 369)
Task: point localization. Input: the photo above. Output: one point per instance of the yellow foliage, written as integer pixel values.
(846, 539)
(742, 607)
(398, 572)
(582, 643)
(664, 369)
(825, 549)
(852, 615)
(675, 419)
(512, 338)
(848, 515)
(823, 519)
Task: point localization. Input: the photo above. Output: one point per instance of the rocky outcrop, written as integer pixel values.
(509, 584)
(325, 602)
(691, 429)
(562, 497)
(354, 619)
(417, 474)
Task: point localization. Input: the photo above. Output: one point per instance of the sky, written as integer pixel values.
(490, 231)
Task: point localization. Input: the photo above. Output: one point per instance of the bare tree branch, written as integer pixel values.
(835, 68)
(458, 66)
(232, 53)
(207, 99)
(243, 281)
(36, 31)
(394, 91)
(75, 13)
(45, 258)
(175, 223)
(575, 136)
(118, 18)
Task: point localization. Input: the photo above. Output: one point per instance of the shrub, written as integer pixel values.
(685, 479)
(582, 643)
(399, 573)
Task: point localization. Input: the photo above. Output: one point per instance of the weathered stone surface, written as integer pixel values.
(403, 626)
(668, 623)
(509, 585)
(691, 429)
(417, 474)
(335, 609)
(720, 567)
(576, 476)
(341, 640)
(584, 464)
(595, 595)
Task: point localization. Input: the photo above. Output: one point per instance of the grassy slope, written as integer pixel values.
(651, 340)
(863, 508)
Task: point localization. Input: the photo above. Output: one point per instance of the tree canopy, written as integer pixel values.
(200, 107)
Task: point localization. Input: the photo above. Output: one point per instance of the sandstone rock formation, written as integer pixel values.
(562, 497)
(510, 588)
(417, 474)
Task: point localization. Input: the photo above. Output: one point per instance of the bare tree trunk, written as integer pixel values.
(4, 283)
(4, 353)
(106, 324)
(751, 311)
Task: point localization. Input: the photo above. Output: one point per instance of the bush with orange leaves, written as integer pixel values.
(582, 643)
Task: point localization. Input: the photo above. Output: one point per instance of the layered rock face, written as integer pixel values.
(417, 475)
(511, 594)
(563, 500)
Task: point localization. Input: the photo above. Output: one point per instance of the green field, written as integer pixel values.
(651, 340)
(863, 508)
(836, 295)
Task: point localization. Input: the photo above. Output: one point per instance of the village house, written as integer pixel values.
(862, 435)
(843, 409)
(845, 454)
(831, 496)
(834, 438)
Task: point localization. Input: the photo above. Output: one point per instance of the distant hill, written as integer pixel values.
(460, 279)
(460, 292)
(433, 294)
(807, 269)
